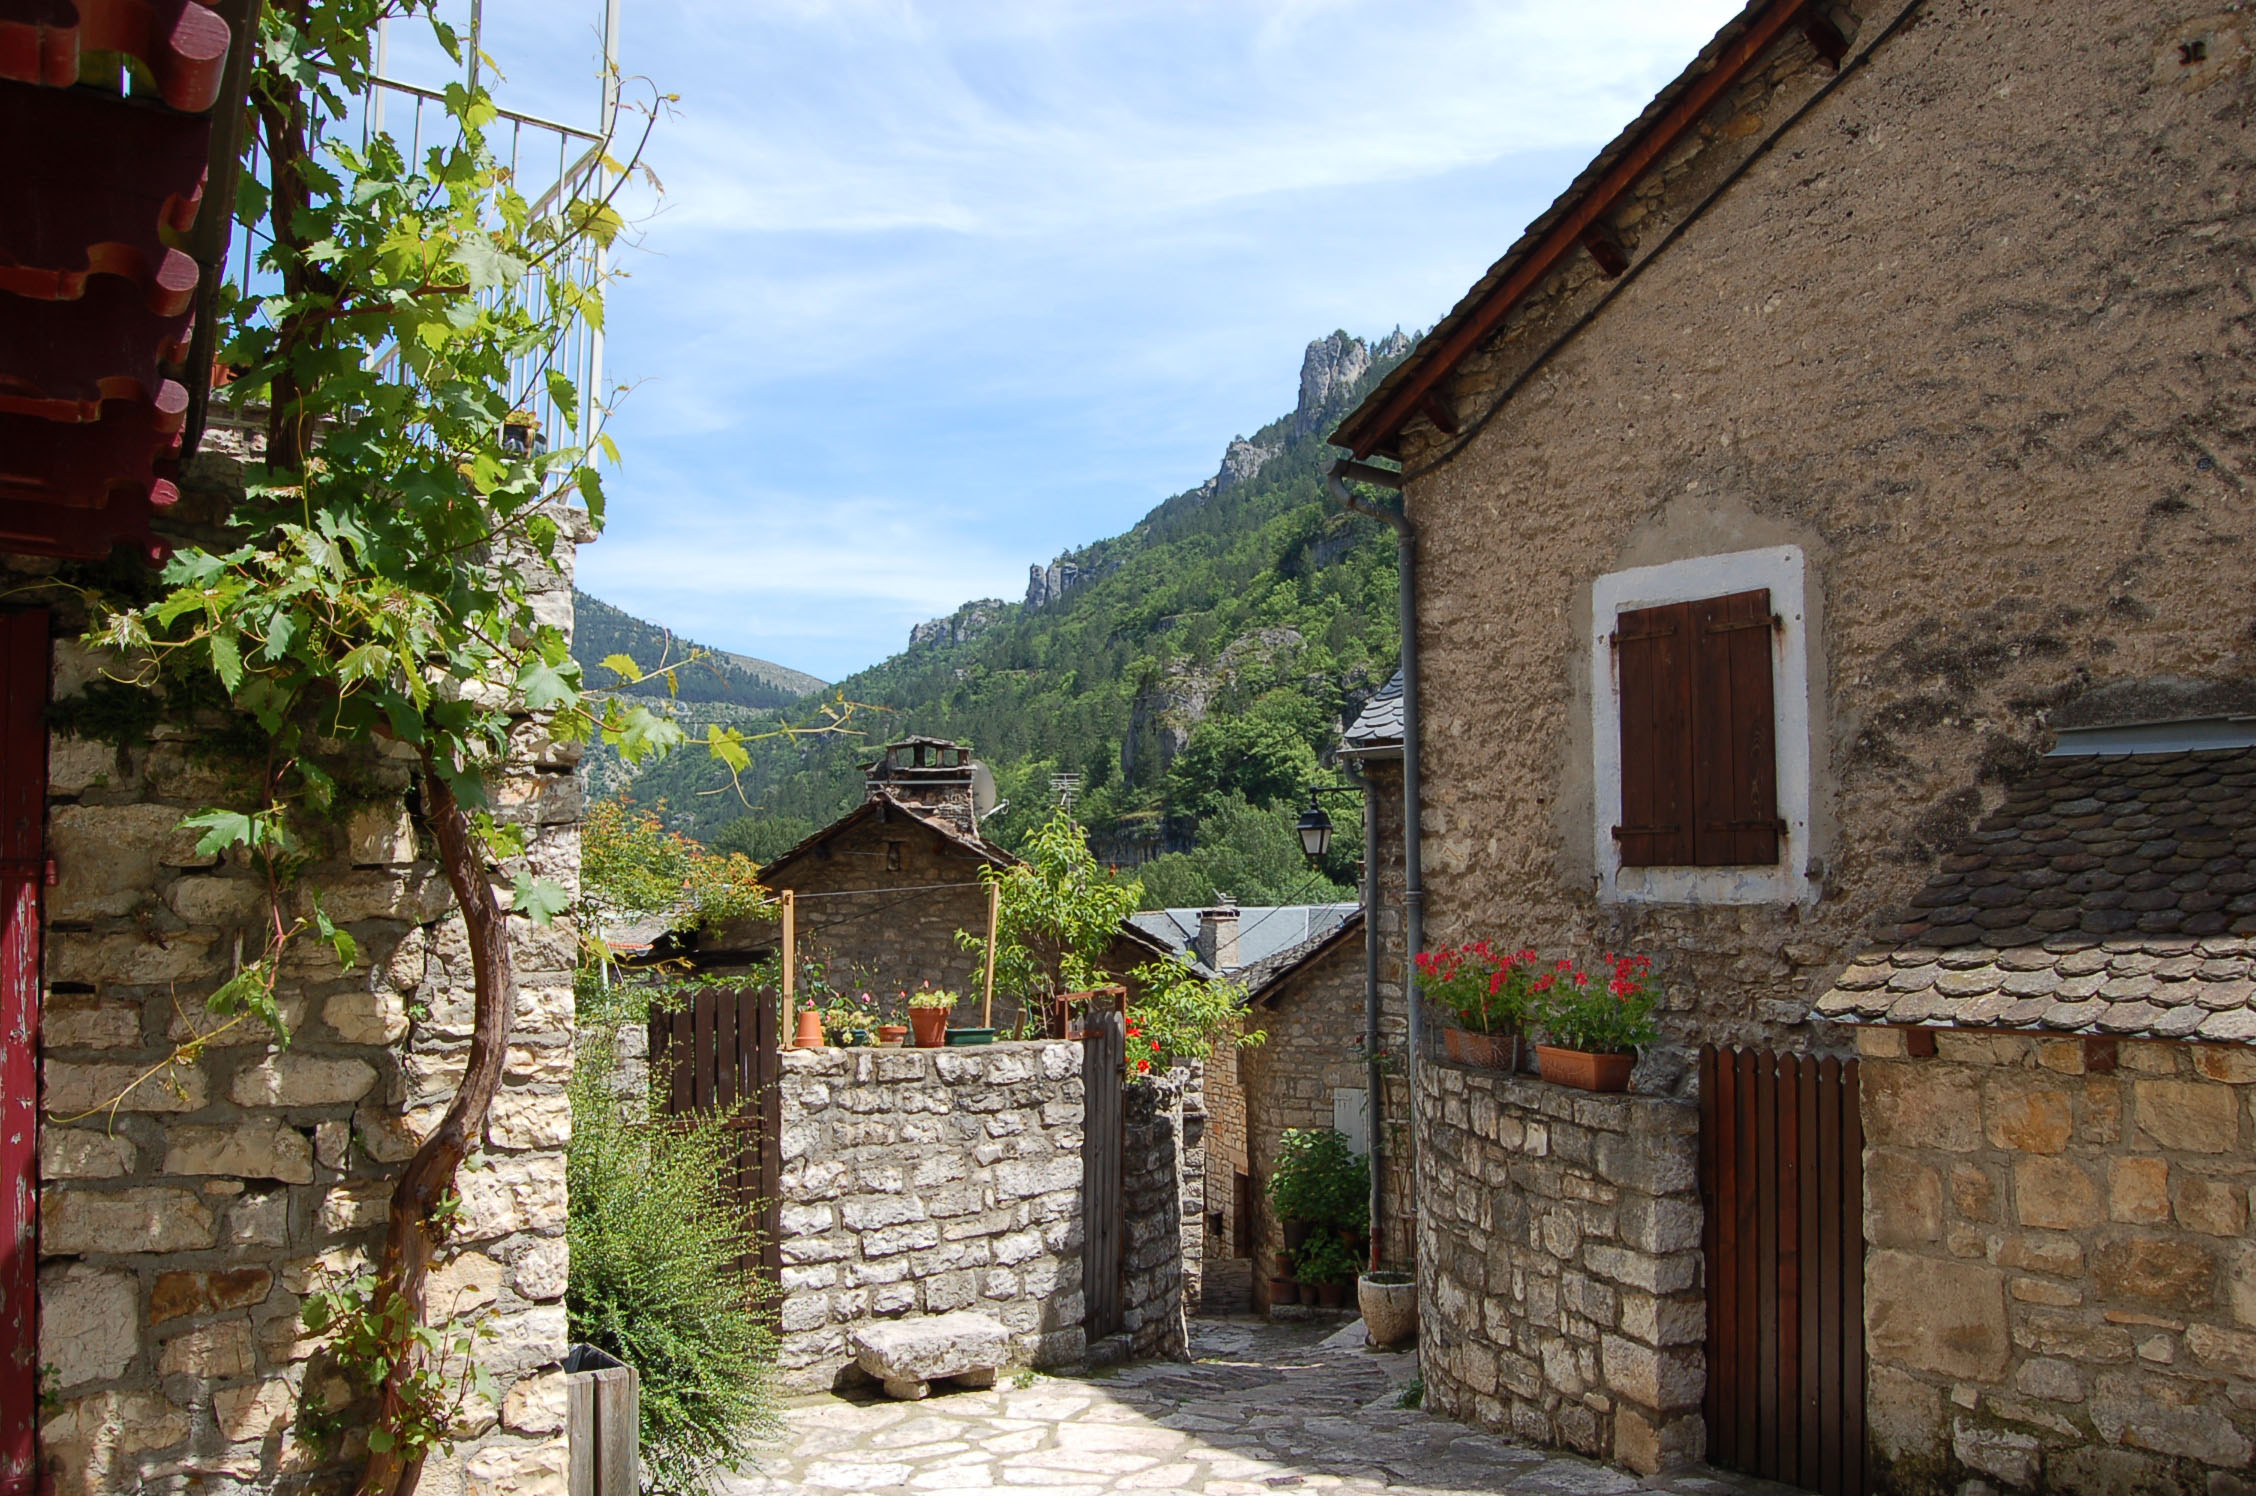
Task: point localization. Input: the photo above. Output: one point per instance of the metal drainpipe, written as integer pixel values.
(1375, 1109)
(1413, 881)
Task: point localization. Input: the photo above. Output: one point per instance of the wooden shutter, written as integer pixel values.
(1734, 761)
(1699, 775)
(1652, 656)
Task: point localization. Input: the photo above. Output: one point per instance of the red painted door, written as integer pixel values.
(23, 856)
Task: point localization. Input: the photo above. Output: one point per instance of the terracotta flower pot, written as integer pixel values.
(930, 1025)
(1389, 1302)
(1331, 1295)
(891, 1034)
(810, 1029)
(1583, 1070)
(1283, 1291)
(1284, 1268)
(1486, 1051)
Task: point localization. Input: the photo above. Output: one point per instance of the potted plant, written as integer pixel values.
(890, 1035)
(1319, 1186)
(1597, 1024)
(928, 1016)
(1326, 1265)
(1283, 1289)
(1492, 996)
(850, 1021)
(1389, 1302)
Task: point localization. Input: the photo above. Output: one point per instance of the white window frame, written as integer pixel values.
(1781, 569)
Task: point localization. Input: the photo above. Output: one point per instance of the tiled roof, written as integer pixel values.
(2108, 895)
(1380, 723)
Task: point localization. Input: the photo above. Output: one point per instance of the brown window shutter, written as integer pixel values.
(1734, 760)
(1652, 659)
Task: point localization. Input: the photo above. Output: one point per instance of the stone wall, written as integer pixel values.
(917, 1181)
(2061, 1287)
(179, 1234)
(1560, 1297)
(1160, 1190)
(2006, 490)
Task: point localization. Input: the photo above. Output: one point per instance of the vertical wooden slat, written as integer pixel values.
(23, 791)
(701, 1071)
(1766, 1259)
(1829, 1286)
(1855, 1459)
(1788, 1462)
(1103, 1052)
(1749, 1310)
(1813, 1253)
(682, 1043)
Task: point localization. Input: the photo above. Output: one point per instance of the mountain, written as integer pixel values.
(713, 675)
(1180, 682)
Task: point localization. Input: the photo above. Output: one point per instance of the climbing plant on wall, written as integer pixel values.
(374, 591)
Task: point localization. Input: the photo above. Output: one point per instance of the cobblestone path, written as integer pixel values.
(1263, 1408)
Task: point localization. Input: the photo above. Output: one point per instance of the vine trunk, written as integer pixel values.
(411, 1238)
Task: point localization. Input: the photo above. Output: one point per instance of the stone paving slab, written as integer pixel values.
(1262, 1409)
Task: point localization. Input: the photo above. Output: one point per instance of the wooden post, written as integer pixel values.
(994, 913)
(784, 1035)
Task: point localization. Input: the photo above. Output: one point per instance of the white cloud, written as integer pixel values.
(941, 288)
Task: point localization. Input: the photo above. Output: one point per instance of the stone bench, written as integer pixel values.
(909, 1355)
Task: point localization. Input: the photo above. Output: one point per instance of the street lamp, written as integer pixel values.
(1315, 830)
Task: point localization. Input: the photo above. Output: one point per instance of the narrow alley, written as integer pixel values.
(1261, 1408)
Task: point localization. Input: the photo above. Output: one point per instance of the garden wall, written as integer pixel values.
(179, 1234)
(917, 1181)
(1561, 1300)
(1162, 1190)
(2061, 1291)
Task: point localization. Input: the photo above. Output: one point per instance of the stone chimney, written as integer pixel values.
(1217, 943)
(932, 776)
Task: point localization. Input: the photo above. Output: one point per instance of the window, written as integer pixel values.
(893, 851)
(1699, 777)
(1701, 731)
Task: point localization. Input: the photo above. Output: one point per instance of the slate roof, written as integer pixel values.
(1380, 723)
(2111, 895)
(1261, 979)
(1263, 930)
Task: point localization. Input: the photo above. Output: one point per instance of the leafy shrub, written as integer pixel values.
(1180, 1015)
(1320, 1180)
(1612, 1014)
(655, 1233)
(1323, 1258)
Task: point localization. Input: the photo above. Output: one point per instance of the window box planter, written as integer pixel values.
(1583, 1069)
(1483, 1051)
(959, 1037)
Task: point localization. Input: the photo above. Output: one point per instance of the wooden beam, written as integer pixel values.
(1436, 410)
(1825, 33)
(1565, 236)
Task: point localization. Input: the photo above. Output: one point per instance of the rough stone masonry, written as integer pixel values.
(180, 1233)
(1562, 1299)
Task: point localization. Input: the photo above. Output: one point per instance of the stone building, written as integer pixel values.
(883, 890)
(1865, 424)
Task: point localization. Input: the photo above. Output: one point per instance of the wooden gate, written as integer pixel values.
(1782, 1183)
(718, 1053)
(23, 862)
(1104, 1051)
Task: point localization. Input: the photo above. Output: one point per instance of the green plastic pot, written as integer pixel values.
(960, 1036)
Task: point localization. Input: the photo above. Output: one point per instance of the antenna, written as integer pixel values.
(1065, 787)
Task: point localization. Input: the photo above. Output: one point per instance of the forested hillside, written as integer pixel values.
(600, 631)
(1190, 672)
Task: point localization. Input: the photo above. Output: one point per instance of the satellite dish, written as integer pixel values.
(982, 790)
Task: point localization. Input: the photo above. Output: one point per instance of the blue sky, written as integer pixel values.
(935, 290)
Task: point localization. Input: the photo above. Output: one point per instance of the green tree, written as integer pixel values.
(1258, 759)
(1059, 912)
(762, 838)
(1251, 853)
